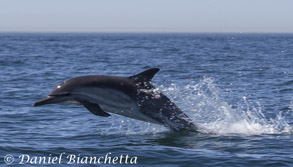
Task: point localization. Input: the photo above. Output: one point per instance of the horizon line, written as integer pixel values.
(148, 32)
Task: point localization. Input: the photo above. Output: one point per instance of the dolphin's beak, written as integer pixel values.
(43, 101)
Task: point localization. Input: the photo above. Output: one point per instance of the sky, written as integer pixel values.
(146, 15)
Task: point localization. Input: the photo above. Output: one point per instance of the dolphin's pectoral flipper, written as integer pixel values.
(95, 109)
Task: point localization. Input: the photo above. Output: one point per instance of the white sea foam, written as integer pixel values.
(212, 114)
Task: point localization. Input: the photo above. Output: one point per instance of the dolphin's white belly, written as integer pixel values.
(114, 101)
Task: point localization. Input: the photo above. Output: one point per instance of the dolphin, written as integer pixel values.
(134, 97)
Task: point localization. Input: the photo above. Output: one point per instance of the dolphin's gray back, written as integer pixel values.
(118, 83)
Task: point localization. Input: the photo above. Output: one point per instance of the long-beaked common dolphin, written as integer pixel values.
(133, 97)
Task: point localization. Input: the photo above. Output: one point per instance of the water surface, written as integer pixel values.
(236, 87)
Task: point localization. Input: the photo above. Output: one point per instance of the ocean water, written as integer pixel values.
(237, 88)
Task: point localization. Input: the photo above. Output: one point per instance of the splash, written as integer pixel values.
(212, 114)
(203, 103)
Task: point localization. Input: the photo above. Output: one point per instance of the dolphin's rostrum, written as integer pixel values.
(133, 97)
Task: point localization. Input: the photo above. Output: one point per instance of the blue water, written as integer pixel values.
(237, 88)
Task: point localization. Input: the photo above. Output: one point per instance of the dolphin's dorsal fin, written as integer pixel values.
(145, 76)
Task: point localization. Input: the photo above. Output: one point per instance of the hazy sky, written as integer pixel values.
(146, 15)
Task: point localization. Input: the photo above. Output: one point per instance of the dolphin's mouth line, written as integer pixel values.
(61, 94)
(43, 101)
(49, 98)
